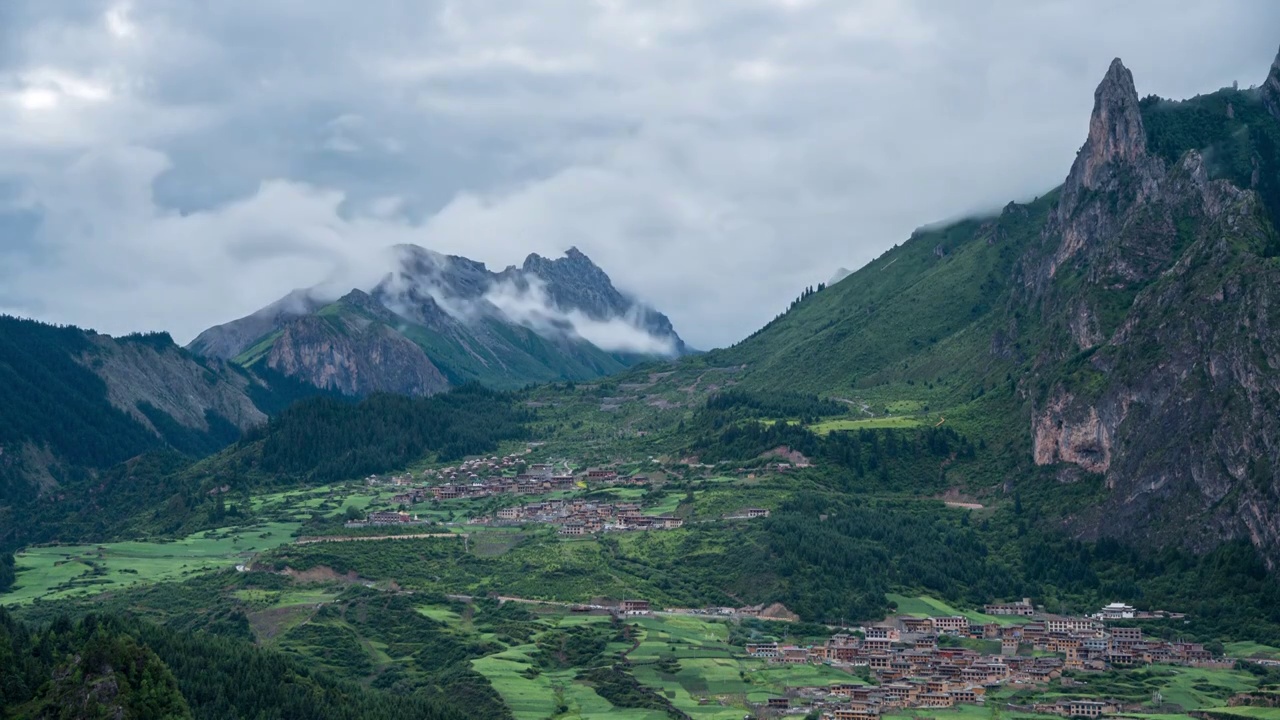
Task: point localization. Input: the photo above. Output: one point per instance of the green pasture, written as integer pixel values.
(61, 571)
(932, 607)
(892, 421)
(541, 696)
(1251, 650)
(1257, 713)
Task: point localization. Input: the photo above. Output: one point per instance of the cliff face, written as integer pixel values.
(1161, 297)
(355, 352)
(169, 380)
(1271, 88)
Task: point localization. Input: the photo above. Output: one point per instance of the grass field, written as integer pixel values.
(896, 421)
(927, 606)
(60, 571)
(712, 683)
(549, 693)
(1251, 650)
(1258, 713)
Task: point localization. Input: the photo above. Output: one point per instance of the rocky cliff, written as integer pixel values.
(354, 350)
(1158, 285)
(1271, 89)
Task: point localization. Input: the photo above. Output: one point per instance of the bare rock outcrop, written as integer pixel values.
(356, 353)
(1271, 88)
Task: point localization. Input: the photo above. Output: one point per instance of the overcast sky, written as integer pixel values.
(173, 165)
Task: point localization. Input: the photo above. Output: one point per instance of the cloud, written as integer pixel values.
(175, 165)
(529, 305)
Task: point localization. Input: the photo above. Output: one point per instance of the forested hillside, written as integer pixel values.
(109, 667)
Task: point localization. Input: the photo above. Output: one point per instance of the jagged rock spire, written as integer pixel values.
(1113, 162)
(1271, 88)
(1116, 132)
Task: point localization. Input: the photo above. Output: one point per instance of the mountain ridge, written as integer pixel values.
(550, 319)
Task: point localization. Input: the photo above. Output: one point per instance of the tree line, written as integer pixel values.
(110, 666)
(323, 439)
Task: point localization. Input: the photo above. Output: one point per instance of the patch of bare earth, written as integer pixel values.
(321, 573)
(795, 457)
(271, 623)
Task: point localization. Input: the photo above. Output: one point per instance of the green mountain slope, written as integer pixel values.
(1123, 326)
(75, 403)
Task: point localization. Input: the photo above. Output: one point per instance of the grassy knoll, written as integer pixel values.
(60, 571)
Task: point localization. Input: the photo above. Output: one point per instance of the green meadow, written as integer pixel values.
(60, 571)
(927, 606)
(893, 421)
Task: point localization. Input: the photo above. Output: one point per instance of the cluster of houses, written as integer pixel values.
(918, 664)
(471, 480)
(581, 517)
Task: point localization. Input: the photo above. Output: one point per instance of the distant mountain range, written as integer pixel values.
(436, 321)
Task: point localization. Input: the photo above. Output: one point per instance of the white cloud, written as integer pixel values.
(190, 162)
(531, 307)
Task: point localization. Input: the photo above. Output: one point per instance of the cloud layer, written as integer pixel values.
(173, 165)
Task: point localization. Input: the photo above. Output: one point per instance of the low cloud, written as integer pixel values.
(533, 308)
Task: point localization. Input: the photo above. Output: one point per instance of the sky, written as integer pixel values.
(173, 164)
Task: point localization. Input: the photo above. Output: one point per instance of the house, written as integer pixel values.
(937, 700)
(634, 607)
(1080, 708)
(667, 522)
(601, 474)
(956, 625)
(573, 528)
(763, 650)
(794, 655)
(1126, 634)
(755, 513)
(509, 513)
(778, 703)
(1022, 608)
(969, 695)
(863, 711)
(388, 518)
(1009, 646)
(1071, 625)
(917, 625)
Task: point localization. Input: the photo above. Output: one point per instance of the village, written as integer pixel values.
(486, 477)
(580, 517)
(909, 662)
(920, 662)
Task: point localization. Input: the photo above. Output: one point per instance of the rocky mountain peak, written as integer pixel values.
(1112, 173)
(1271, 88)
(1116, 132)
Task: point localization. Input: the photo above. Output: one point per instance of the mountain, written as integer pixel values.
(437, 321)
(1123, 329)
(74, 403)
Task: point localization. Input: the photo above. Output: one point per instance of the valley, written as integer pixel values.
(1019, 465)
